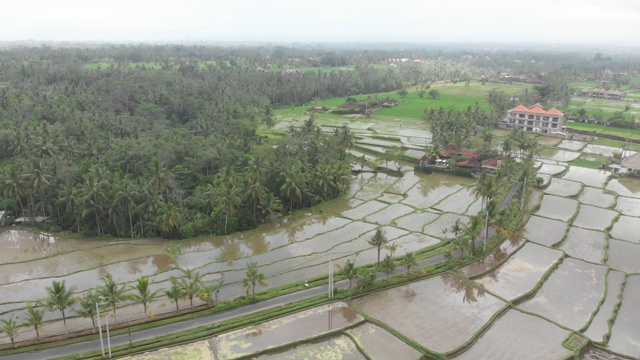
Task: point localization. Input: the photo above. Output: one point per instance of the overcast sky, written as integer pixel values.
(615, 22)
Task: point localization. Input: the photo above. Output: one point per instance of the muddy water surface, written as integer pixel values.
(544, 231)
(559, 208)
(303, 325)
(599, 326)
(433, 189)
(624, 256)
(23, 245)
(597, 197)
(388, 214)
(381, 344)
(627, 228)
(516, 334)
(521, 272)
(625, 187)
(625, 335)
(561, 187)
(487, 263)
(441, 313)
(570, 295)
(591, 217)
(590, 177)
(585, 244)
(339, 347)
(417, 220)
(628, 206)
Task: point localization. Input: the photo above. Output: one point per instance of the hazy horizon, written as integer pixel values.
(577, 22)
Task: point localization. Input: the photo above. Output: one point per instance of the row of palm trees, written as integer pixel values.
(367, 276)
(107, 297)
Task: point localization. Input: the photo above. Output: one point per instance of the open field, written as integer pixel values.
(455, 96)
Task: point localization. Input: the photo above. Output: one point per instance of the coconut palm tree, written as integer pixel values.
(209, 293)
(349, 271)
(142, 293)
(253, 278)
(174, 292)
(88, 307)
(378, 240)
(190, 284)
(112, 293)
(126, 195)
(34, 317)
(388, 265)
(409, 261)
(10, 327)
(59, 298)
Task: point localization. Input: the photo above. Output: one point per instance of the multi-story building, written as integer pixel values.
(535, 119)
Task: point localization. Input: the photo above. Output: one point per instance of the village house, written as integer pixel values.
(535, 119)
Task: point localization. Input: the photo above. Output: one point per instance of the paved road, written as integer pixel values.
(93, 345)
(117, 340)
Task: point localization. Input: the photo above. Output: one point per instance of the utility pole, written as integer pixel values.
(100, 330)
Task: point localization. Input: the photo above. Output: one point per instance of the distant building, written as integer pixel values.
(606, 94)
(535, 119)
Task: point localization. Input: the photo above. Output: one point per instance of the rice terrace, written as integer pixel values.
(437, 239)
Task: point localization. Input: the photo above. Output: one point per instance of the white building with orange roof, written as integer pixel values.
(535, 119)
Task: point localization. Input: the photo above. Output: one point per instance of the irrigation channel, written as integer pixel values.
(570, 276)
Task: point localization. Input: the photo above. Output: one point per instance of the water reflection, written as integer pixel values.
(470, 293)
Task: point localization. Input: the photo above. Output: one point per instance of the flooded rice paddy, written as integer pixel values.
(570, 295)
(599, 326)
(380, 344)
(303, 325)
(556, 207)
(625, 334)
(441, 313)
(587, 245)
(521, 272)
(553, 270)
(515, 334)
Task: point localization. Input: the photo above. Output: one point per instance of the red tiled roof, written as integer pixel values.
(449, 151)
(470, 153)
(554, 111)
(536, 109)
(493, 162)
(473, 163)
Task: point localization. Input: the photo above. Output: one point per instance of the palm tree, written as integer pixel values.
(487, 188)
(126, 195)
(228, 199)
(349, 271)
(378, 240)
(409, 260)
(393, 247)
(292, 187)
(169, 219)
(209, 293)
(270, 204)
(112, 293)
(14, 184)
(69, 196)
(471, 231)
(366, 278)
(59, 298)
(161, 179)
(267, 118)
(174, 292)
(88, 307)
(34, 318)
(388, 265)
(10, 328)
(191, 284)
(253, 278)
(255, 194)
(142, 294)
